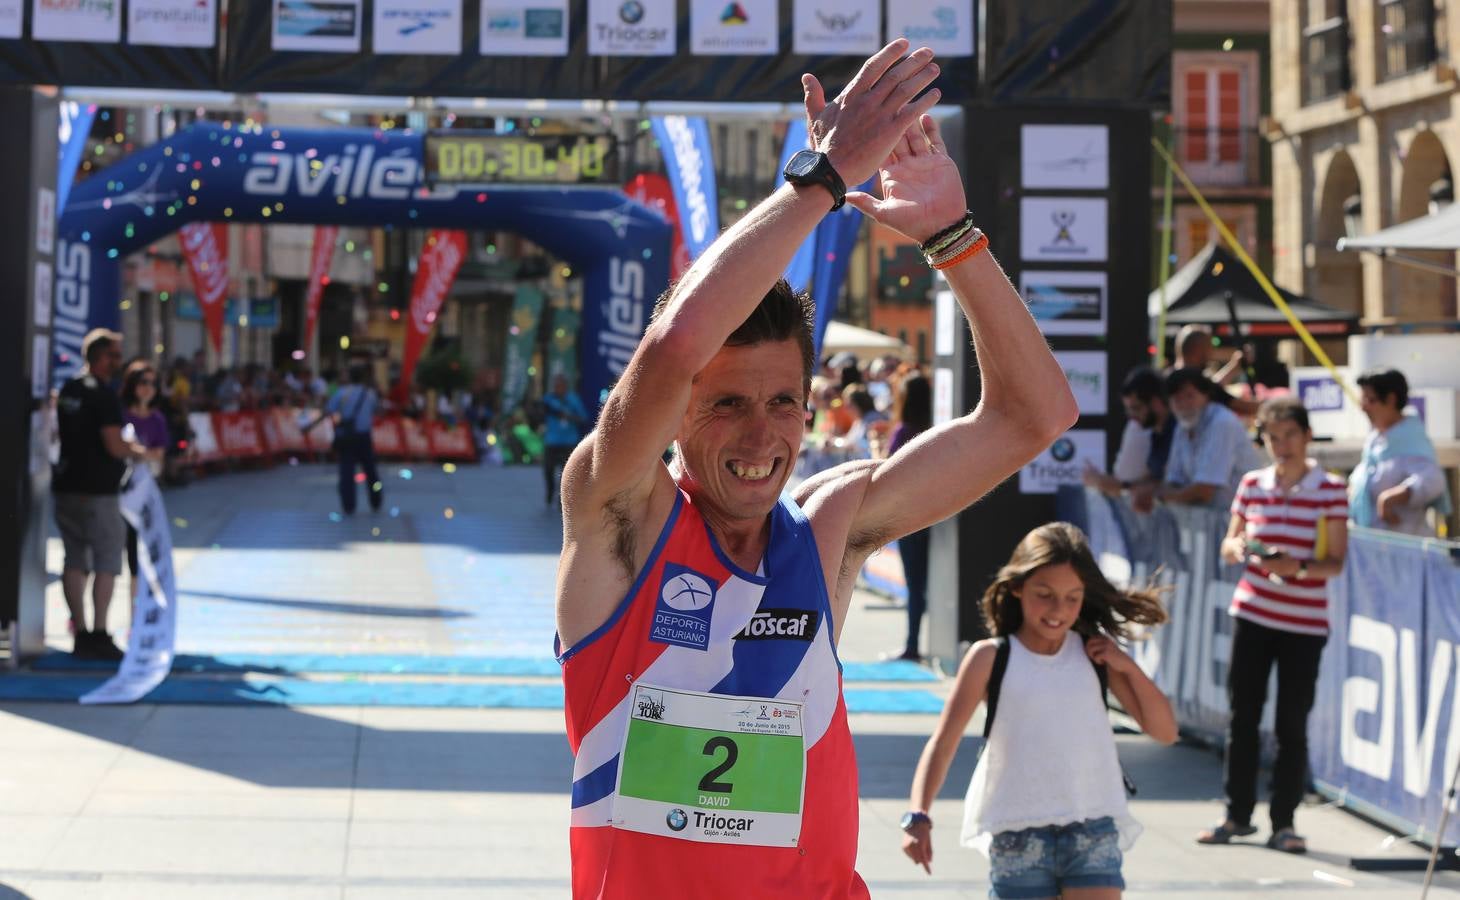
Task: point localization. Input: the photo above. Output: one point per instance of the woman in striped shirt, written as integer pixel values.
(1280, 612)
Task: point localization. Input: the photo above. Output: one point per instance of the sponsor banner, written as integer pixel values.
(73, 130)
(521, 341)
(319, 26)
(238, 435)
(1321, 394)
(1066, 229)
(173, 23)
(205, 443)
(836, 234)
(1065, 156)
(1087, 373)
(205, 247)
(836, 27)
(153, 632)
(321, 255)
(451, 443)
(631, 28)
(1064, 461)
(534, 28)
(562, 346)
(12, 12)
(263, 312)
(413, 436)
(386, 438)
(1065, 302)
(93, 21)
(684, 142)
(436, 270)
(288, 435)
(798, 271)
(431, 27)
(944, 26)
(44, 288)
(733, 28)
(654, 191)
(321, 438)
(45, 220)
(40, 365)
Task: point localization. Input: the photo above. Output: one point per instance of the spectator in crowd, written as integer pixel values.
(229, 393)
(1290, 527)
(1211, 450)
(353, 408)
(566, 421)
(179, 386)
(865, 418)
(198, 372)
(1195, 350)
(86, 484)
(1145, 444)
(149, 428)
(912, 414)
(1397, 478)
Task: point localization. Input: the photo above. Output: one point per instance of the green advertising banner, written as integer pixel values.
(521, 339)
(563, 347)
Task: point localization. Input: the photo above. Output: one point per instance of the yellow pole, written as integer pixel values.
(1165, 269)
(1262, 280)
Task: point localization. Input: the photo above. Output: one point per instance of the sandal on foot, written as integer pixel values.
(1223, 833)
(1288, 841)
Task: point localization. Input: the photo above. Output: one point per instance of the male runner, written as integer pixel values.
(698, 609)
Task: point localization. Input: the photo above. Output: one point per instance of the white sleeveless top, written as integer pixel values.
(1050, 758)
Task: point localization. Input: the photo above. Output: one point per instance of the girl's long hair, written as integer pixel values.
(1106, 608)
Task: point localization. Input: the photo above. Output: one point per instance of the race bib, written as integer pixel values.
(711, 768)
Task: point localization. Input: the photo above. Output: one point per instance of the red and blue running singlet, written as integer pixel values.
(698, 627)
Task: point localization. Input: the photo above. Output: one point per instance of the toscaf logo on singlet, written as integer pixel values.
(780, 625)
(684, 609)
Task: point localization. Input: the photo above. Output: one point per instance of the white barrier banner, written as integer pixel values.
(154, 616)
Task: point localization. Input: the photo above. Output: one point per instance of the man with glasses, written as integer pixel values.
(87, 483)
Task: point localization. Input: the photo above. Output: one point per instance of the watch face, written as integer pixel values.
(802, 164)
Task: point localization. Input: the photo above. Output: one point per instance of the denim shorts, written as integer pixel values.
(1041, 862)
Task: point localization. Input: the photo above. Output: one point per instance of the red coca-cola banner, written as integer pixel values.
(654, 191)
(239, 435)
(205, 246)
(320, 258)
(440, 260)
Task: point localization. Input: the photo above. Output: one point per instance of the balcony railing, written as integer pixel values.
(1325, 60)
(1406, 36)
(1220, 157)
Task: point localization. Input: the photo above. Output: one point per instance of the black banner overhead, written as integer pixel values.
(254, 63)
(107, 49)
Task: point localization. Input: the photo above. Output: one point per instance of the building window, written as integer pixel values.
(1193, 230)
(1325, 51)
(1216, 105)
(1406, 36)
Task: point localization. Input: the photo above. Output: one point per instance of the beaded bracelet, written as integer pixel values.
(928, 245)
(954, 247)
(940, 246)
(968, 252)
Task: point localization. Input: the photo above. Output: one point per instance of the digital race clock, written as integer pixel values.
(486, 158)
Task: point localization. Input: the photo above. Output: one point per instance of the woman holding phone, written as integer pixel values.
(1290, 526)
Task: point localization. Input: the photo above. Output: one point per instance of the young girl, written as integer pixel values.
(1047, 801)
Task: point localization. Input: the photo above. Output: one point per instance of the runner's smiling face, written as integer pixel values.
(740, 435)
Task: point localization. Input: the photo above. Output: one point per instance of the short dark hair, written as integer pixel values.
(782, 315)
(1283, 409)
(1387, 383)
(1190, 375)
(97, 342)
(1143, 382)
(862, 400)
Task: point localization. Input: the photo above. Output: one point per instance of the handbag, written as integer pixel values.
(345, 428)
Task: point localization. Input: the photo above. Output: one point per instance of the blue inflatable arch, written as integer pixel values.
(355, 177)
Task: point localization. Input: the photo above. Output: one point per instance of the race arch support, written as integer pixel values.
(359, 177)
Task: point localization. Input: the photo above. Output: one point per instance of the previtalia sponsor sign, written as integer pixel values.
(1066, 229)
(1088, 374)
(737, 27)
(12, 13)
(321, 26)
(631, 28)
(95, 21)
(1064, 461)
(539, 28)
(430, 27)
(173, 23)
(1065, 156)
(836, 26)
(944, 26)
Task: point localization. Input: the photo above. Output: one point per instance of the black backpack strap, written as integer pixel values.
(996, 680)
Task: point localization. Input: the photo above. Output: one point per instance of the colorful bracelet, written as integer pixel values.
(972, 251)
(954, 248)
(941, 246)
(933, 241)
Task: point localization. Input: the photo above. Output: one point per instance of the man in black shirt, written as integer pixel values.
(86, 483)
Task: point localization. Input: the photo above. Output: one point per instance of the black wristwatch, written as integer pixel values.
(812, 167)
(909, 819)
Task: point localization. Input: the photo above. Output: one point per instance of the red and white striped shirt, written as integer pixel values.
(1286, 520)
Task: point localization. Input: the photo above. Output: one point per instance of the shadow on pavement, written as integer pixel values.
(327, 606)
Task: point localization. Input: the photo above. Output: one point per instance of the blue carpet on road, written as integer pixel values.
(381, 664)
(298, 692)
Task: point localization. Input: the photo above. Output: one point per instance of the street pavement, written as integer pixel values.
(445, 799)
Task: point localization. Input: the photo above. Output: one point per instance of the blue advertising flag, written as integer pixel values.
(685, 143)
(75, 128)
(835, 237)
(798, 273)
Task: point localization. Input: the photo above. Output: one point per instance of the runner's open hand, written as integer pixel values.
(861, 126)
(922, 192)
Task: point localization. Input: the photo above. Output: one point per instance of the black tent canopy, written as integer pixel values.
(1215, 284)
